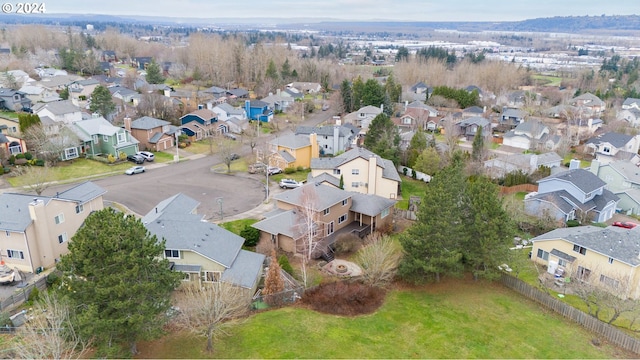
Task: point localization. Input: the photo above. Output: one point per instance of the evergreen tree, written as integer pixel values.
(64, 94)
(383, 138)
(115, 275)
(272, 72)
(345, 91)
(393, 90)
(154, 73)
(477, 151)
(428, 161)
(372, 93)
(341, 185)
(357, 88)
(402, 54)
(417, 145)
(285, 73)
(101, 101)
(26, 120)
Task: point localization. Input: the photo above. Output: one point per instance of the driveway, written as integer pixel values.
(194, 178)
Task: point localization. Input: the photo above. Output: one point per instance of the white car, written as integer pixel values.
(146, 155)
(134, 170)
(289, 184)
(272, 170)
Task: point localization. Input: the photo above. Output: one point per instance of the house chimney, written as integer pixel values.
(127, 123)
(167, 92)
(406, 104)
(315, 150)
(574, 164)
(382, 107)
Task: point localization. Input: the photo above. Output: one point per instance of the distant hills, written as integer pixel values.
(564, 24)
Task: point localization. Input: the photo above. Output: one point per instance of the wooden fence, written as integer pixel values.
(611, 333)
(518, 188)
(22, 294)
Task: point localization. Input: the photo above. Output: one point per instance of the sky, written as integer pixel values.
(400, 10)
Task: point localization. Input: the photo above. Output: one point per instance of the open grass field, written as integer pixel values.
(453, 319)
(237, 225)
(546, 80)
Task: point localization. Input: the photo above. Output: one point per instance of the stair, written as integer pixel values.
(327, 255)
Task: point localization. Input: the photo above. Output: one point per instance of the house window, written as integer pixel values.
(562, 262)
(342, 219)
(13, 129)
(122, 137)
(606, 150)
(62, 238)
(71, 153)
(406, 121)
(105, 138)
(212, 276)
(95, 138)
(326, 211)
(609, 281)
(273, 238)
(543, 255)
(610, 260)
(326, 146)
(330, 228)
(580, 249)
(345, 202)
(79, 208)
(59, 219)
(384, 213)
(15, 254)
(336, 171)
(355, 171)
(355, 184)
(583, 273)
(172, 254)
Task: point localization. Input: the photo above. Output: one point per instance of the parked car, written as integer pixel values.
(134, 170)
(146, 155)
(289, 184)
(230, 136)
(625, 224)
(136, 159)
(325, 107)
(272, 170)
(256, 168)
(7, 274)
(233, 156)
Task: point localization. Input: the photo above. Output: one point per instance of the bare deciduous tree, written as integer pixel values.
(225, 148)
(50, 334)
(49, 142)
(607, 298)
(157, 106)
(379, 259)
(309, 227)
(35, 178)
(206, 309)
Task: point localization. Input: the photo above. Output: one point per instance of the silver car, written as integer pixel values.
(134, 170)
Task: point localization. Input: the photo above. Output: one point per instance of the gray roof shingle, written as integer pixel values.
(326, 196)
(370, 205)
(583, 179)
(616, 139)
(148, 123)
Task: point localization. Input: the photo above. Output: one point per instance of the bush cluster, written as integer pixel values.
(283, 261)
(344, 298)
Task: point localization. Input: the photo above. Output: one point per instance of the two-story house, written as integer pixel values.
(36, 229)
(153, 134)
(204, 252)
(623, 179)
(100, 137)
(278, 102)
(14, 100)
(81, 90)
(511, 117)
(225, 112)
(528, 135)
(612, 146)
(332, 139)
(528, 163)
(258, 110)
(63, 111)
(324, 210)
(292, 150)
(572, 194)
(417, 115)
(362, 171)
(199, 124)
(608, 258)
(469, 127)
(590, 103)
(362, 117)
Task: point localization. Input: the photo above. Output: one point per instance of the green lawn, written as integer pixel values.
(547, 80)
(583, 163)
(237, 225)
(76, 169)
(453, 319)
(410, 187)
(9, 114)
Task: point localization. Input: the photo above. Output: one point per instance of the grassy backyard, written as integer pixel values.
(410, 187)
(453, 319)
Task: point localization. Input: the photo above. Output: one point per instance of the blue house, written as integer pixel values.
(199, 124)
(258, 110)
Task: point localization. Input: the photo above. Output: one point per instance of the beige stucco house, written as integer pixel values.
(362, 171)
(607, 257)
(36, 229)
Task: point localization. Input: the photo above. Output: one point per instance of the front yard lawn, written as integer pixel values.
(456, 318)
(237, 225)
(76, 169)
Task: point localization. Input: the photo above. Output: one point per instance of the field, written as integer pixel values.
(457, 318)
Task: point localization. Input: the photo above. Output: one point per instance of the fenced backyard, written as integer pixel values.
(22, 294)
(609, 332)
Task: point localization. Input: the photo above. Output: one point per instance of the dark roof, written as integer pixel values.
(474, 110)
(616, 139)
(585, 180)
(258, 104)
(238, 92)
(370, 205)
(389, 171)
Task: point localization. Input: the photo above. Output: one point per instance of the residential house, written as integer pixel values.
(612, 146)
(14, 100)
(561, 111)
(306, 87)
(623, 179)
(604, 257)
(10, 126)
(206, 252)
(225, 111)
(38, 94)
(405, 138)
(631, 103)
(199, 124)
(81, 90)
(469, 127)
(11, 145)
(589, 102)
(153, 134)
(238, 93)
(258, 110)
(362, 117)
(502, 165)
(49, 72)
(278, 102)
(332, 212)
(417, 115)
(58, 82)
(62, 137)
(237, 125)
(213, 92)
(519, 98)
(528, 135)
(332, 139)
(632, 116)
(109, 56)
(293, 150)
(292, 92)
(126, 96)
(37, 229)
(99, 137)
(141, 62)
(512, 117)
(422, 88)
(63, 111)
(362, 171)
(573, 194)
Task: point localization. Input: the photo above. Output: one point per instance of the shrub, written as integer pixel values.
(379, 259)
(6, 170)
(20, 156)
(34, 295)
(53, 279)
(12, 159)
(5, 320)
(101, 159)
(251, 236)
(28, 155)
(289, 170)
(414, 175)
(1, 170)
(404, 171)
(283, 261)
(344, 298)
(347, 243)
(111, 159)
(39, 162)
(300, 168)
(122, 156)
(573, 223)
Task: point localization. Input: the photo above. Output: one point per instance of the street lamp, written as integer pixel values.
(220, 203)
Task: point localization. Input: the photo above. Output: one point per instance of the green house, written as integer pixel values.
(100, 137)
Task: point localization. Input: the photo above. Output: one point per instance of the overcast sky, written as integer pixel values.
(407, 10)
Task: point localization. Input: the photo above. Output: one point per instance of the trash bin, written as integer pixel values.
(39, 269)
